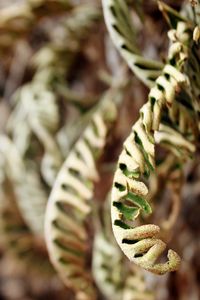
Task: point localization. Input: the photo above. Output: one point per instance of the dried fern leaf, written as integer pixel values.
(137, 160)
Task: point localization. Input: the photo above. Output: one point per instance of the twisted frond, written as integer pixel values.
(137, 160)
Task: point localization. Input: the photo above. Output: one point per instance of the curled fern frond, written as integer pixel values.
(118, 21)
(69, 203)
(137, 160)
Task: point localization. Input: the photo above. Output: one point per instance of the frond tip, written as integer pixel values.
(142, 247)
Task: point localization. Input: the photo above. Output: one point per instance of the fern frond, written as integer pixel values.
(69, 202)
(137, 160)
(171, 15)
(20, 244)
(192, 12)
(118, 21)
(168, 179)
(31, 198)
(186, 50)
(107, 267)
(135, 287)
(111, 272)
(37, 108)
(37, 113)
(175, 180)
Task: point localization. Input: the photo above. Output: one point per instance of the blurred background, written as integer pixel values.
(56, 61)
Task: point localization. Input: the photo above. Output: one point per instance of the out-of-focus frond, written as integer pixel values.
(37, 106)
(30, 197)
(69, 203)
(29, 251)
(121, 30)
